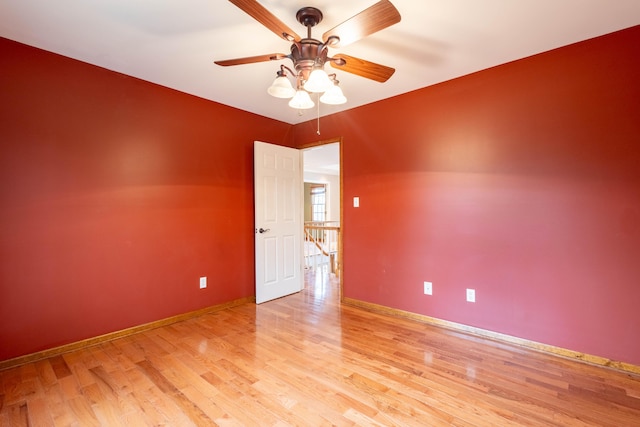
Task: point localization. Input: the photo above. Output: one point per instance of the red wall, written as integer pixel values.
(521, 182)
(116, 196)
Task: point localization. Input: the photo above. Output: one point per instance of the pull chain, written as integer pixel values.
(318, 104)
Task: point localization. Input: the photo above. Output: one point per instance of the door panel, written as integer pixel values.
(278, 220)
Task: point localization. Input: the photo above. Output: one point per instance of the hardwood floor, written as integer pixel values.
(305, 360)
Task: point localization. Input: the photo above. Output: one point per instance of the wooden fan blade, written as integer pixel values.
(251, 59)
(375, 18)
(360, 67)
(266, 18)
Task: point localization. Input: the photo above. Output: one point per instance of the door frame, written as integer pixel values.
(328, 141)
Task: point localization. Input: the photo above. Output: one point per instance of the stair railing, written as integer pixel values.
(322, 245)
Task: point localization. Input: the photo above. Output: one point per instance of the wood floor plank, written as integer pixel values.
(39, 413)
(191, 410)
(60, 367)
(82, 410)
(46, 375)
(15, 415)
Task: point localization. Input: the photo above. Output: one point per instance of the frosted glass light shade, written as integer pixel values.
(333, 96)
(318, 81)
(281, 88)
(301, 101)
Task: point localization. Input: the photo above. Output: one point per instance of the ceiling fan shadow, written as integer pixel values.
(420, 51)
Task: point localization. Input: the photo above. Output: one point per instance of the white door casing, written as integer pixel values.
(278, 221)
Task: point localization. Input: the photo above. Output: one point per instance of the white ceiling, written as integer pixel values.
(174, 42)
(322, 159)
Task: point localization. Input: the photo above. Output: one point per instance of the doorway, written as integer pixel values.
(322, 208)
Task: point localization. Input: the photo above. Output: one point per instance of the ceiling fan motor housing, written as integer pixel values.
(307, 54)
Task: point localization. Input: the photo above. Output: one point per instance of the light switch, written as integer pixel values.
(471, 295)
(356, 202)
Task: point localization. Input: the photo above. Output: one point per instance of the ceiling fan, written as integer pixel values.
(309, 54)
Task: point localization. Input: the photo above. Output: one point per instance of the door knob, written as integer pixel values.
(263, 230)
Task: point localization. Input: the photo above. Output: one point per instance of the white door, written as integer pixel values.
(278, 220)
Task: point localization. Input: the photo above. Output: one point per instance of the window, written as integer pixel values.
(318, 202)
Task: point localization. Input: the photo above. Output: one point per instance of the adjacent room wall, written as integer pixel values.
(116, 196)
(521, 182)
(333, 192)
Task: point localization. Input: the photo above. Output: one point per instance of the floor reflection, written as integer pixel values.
(320, 284)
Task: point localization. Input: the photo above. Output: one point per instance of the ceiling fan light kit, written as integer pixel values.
(309, 55)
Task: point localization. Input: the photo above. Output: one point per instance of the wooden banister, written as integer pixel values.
(325, 237)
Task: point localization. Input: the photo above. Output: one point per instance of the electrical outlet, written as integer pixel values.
(428, 288)
(203, 282)
(471, 295)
